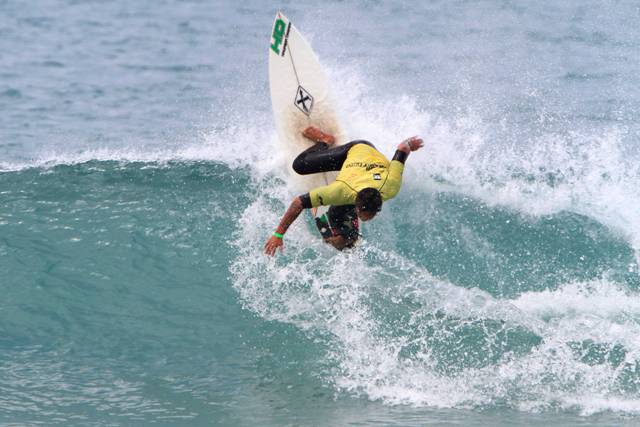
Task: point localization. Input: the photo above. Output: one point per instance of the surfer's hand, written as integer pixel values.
(411, 144)
(272, 244)
(315, 134)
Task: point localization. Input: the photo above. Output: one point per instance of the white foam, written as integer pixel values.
(590, 172)
(336, 294)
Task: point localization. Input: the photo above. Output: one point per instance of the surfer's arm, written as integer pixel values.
(406, 147)
(276, 241)
(316, 135)
(396, 168)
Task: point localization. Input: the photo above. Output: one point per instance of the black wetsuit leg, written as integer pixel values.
(321, 158)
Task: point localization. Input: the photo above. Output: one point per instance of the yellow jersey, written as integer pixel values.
(364, 167)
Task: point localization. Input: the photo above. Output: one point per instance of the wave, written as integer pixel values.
(443, 305)
(503, 275)
(397, 333)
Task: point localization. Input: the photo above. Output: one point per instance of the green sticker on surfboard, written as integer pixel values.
(278, 35)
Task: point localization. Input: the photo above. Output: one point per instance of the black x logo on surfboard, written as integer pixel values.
(304, 100)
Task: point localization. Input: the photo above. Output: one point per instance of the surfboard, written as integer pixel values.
(300, 97)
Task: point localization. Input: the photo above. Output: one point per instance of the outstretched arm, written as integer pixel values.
(392, 185)
(289, 217)
(408, 145)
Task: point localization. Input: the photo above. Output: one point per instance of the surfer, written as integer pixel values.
(365, 180)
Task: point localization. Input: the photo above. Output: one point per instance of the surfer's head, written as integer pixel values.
(368, 203)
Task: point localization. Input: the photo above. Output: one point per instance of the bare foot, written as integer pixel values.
(316, 135)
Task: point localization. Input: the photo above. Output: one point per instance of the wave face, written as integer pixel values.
(140, 177)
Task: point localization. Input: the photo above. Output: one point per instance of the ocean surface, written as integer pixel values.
(140, 178)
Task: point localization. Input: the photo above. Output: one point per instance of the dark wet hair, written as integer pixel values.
(369, 200)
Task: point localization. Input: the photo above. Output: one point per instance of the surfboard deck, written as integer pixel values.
(300, 97)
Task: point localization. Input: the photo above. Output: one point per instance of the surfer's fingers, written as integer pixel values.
(268, 249)
(415, 143)
(411, 139)
(272, 245)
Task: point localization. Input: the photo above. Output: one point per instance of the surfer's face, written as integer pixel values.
(365, 215)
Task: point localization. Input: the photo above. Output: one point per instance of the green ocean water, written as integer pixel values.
(148, 301)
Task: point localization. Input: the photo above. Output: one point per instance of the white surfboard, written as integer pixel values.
(300, 97)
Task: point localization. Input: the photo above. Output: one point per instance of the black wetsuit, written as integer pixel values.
(320, 158)
(339, 221)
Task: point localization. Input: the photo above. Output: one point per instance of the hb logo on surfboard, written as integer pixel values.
(279, 36)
